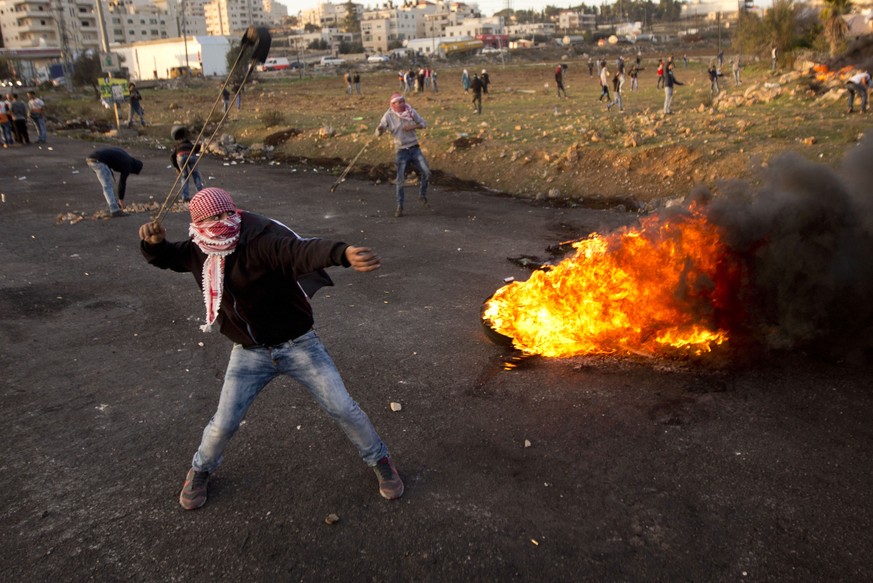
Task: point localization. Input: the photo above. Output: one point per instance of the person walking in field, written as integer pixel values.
(669, 82)
(135, 106)
(660, 73)
(735, 68)
(250, 269)
(465, 81)
(604, 82)
(559, 81)
(618, 90)
(477, 87)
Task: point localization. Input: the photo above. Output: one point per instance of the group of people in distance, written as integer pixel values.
(14, 114)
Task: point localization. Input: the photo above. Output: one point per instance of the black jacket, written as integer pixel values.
(119, 161)
(182, 147)
(262, 304)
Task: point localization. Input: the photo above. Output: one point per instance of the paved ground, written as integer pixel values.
(637, 471)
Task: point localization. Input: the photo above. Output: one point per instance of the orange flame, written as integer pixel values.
(652, 290)
(822, 73)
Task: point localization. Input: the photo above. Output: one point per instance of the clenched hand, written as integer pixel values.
(362, 258)
(152, 233)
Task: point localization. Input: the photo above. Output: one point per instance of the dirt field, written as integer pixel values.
(636, 471)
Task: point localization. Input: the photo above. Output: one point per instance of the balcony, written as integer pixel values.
(31, 5)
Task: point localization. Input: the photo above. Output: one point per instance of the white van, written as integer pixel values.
(274, 64)
(332, 61)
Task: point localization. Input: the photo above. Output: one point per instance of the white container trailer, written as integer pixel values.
(153, 59)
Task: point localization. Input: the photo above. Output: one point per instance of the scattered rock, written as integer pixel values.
(331, 519)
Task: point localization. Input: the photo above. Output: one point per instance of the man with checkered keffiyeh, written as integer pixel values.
(250, 269)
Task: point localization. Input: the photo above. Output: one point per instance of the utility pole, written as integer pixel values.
(185, 38)
(718, 20)
(104, 42)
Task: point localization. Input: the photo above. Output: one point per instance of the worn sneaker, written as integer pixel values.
(398, 212)
(119, 213)
(390, 484)
(423, 201)
(193, 493)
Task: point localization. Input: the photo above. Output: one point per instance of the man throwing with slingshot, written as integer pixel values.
(402, 121)
(248, 267)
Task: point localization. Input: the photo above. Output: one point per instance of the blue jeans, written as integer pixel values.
(104, 175)
(861, 91)
(303, 359)
(41, 134)
(7, 132)
(135, 109)
(415, 157)
(186, 162)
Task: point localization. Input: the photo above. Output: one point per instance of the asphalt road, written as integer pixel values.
(636, 470)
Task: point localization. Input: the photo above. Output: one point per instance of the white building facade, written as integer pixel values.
(154, 59)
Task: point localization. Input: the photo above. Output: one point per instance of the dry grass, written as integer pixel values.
(529, 141)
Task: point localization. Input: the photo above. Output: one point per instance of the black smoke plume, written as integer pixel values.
(804, 241)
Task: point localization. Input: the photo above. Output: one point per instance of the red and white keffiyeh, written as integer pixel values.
(399, 106)
(217, 239)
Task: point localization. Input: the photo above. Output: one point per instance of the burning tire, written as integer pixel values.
(492, 335)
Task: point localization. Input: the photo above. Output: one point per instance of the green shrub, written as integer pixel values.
(271, 118)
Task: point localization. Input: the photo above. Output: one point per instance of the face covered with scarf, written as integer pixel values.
(215, 228)
(399, 106)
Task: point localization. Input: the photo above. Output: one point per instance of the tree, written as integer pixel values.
(835, 27)
(233, 53)
(350, 21)
(87, 71)
(309, 27)
(784, 26)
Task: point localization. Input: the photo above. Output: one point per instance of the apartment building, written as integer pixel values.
(71, 24)
(532, 28)
(231, 17)
(192, 18)
(569, 20)
(477, 27)
(328, 15)
(391, 23)
(130, 21)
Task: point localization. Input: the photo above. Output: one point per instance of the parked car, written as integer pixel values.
(378, 59)
(274, 64)
(332, 61)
